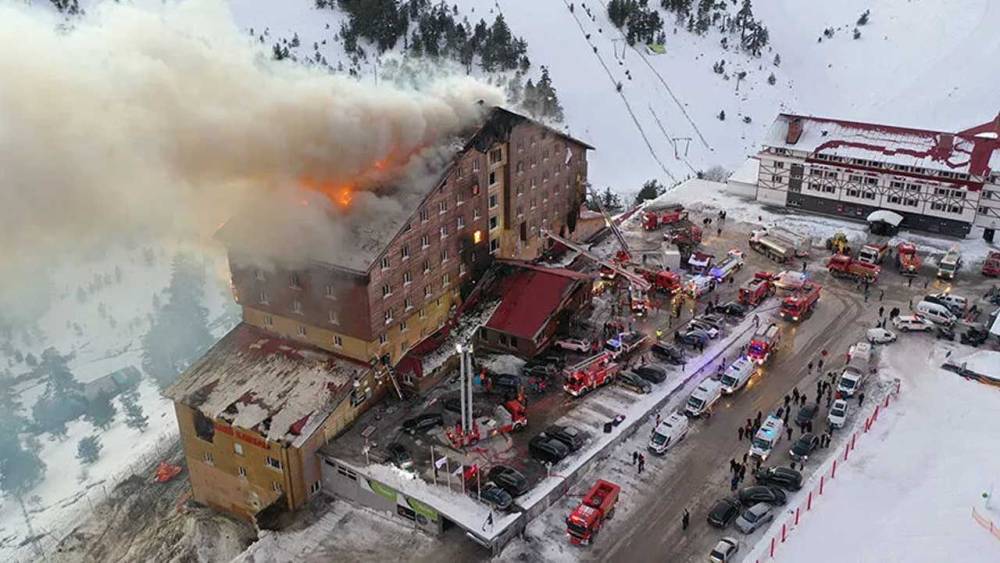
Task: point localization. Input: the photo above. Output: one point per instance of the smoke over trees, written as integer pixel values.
(179, 332)
(20, 467)
(63, 399)
(186, 121)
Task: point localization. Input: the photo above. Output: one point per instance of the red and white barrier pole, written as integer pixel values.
(809, 501)
(784, 532)
(886, 405)
(833, 474)
(875, 414)
(846, 451)
(854, 440)
(772, 547)
(822, 479)
(796, 516)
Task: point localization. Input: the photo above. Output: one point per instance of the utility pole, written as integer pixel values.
(35, 548)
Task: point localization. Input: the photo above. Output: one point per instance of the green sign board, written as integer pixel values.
(421, 508)
(382, 490)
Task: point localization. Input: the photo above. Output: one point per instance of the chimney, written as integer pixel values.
(945, 144)
(794, 131)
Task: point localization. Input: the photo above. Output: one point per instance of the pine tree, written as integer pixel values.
(722, 115)
(134, 417)
(652, 189)
(547, 98)
(863, 20)
(89, 449)
(777, 59)
(20, 467)
(771, 79)
(101, 412)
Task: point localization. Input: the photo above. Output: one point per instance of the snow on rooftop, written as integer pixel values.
(257, 381)
(885, 216)
(747, 172)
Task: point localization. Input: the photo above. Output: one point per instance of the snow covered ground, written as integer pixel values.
(908, 491)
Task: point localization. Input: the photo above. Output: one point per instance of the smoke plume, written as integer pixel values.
(167, 121)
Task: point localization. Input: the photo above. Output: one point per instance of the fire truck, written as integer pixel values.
(728, 267)
(508, 417)
(991, 267)
(907, 259)
(763, 343)
(597, 506)
(842, 266)
(795, 307)
(638, 301)
(873, 253)
(590, 374)
(757, 289)
(683, 233)
(664, 280)
(654, 218)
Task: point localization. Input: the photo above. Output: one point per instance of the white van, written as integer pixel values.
(955, 303)
(935, 313)
(850, 382)
(703, 398)
(737, 375)
(670, 431)
(767, 437)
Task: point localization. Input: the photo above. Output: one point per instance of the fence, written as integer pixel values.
(986, 523)
(48, 535)
(779, 533)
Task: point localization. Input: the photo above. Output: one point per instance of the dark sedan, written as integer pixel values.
(750, 496)
(669, 352)
(496, 497)
(546, 448)
(572, 437)
(399, 455)
(509, 479)
(423, 422)
(723, 512)
(788, 479)
(804, 446)
(630, 380)
(732, 309)
(806, 413)
(692, 337)
(651, 374)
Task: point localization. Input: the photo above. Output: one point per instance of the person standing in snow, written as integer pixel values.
(740, 433)
(789, 430)
(635, 458)
(642, 463)
(861, 399)
(685, 520)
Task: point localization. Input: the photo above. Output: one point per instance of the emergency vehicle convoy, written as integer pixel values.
(907, 259)
(763, 343)
(767, 437)
(842, 266)
(700, 262)
(728, 267)
(590, 374)
(597, 506)
(948, 265)
(654, 218)
(873, 253)
(757, 289)
(796, 306)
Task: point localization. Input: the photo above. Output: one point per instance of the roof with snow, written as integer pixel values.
(257, 381)
(531, 296)
(974, 151)
(747, 172)
(885, 216)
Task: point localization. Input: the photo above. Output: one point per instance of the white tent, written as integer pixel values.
(885, 216)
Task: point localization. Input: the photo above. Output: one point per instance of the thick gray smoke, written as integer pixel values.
(165, 121)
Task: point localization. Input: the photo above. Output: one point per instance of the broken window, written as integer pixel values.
(273, 463)
(496, 155)
(294, 281)
(204, 428)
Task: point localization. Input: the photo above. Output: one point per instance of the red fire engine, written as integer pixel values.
(907, 259)
(763, 343)
(590, 374)
(757, 289)
(597, 506)
(991, 267)
(653, 219)
(662, 280)
(796, 306)
(847, 267)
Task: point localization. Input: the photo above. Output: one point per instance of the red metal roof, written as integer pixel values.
(530, 297)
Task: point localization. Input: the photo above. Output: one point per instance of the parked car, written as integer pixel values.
(908, 323)
(544, 371)
(399, 455)
(945, 333)
(652, 374)
(838, 413)
(880, 336)
(723, 512)
(495, 496)
(506, 384)
(724, 551)
(509, 479)
(692, 337)
(423, 422)
(732, 309)
(804, 446)
(788, 479)
(750, 496)
(571, 436)
(631, 380)
(754, 517)
(573, 344)
(546, 448)
(955, 303)
(716, 320)
(699, 324)
(974, 336)
(668, 352)
(806, 413)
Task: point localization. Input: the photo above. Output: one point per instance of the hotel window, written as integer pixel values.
(242, 471)
(386, 291)
(871, 181)
(238, 448)
(276, 486)
(208, 458)
(445, 280)
(494, 245)
(779, 164)
(268, 320)
(382, 339)
(461, 222)
(385, 263)
(545, 177)
(259, 274)
(315, 487)
(520, 146)
(520, 167)
(294, 282)
(955, 209)
(442, 207)
(896, 184)
(302, 330)
(329, 293)
(461, 269)
(422, 314)
(868, 195)
(853, 193)
(461, 171)
(444, 254)
(459, 200)
(444, 231)
(476, 213)
(427, 291)
(894, 199)
(776, 179)
(938, 206)
(405, 252)
(855, 178)
(427, 266)
(534, 162)
(388, 316)
(263, 298)
(534, 203)
(333, 318)
(425, 241)
(829, 189)
(493, 177)
(407, 277)
(496, 155)
(407, 304)
(475, 165)
(816, 172)
(545, 154)
(338, 341)
(533, 183)
(493, 201)
(402, 326)
(493, 222)
(911, 202)
(297, 306)
(273, 463)
(475, 189)
(423, 215)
